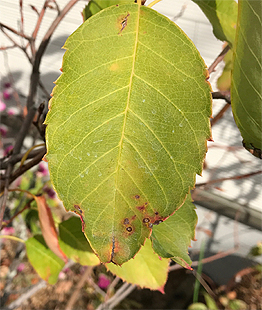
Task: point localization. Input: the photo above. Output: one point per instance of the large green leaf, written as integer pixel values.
(247, 75)
(172, 238)
(74, 244)
(128, 126)
(95, 6)
(147, 269)
(222, 14)
(44, 261)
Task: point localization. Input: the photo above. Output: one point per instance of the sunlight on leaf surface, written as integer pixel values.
(128, 126)
(146, 269)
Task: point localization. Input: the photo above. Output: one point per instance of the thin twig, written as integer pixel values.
(17, 45)
(79, 286)
(5, 195)
(219, 114)
(4, 48)
(117, 300)
(15, 159)
(31, 291)
(25, 167)
(111, 287)
(34, 9)
(39, 54)
(237, 177)
(27, 206)
(57, 6)
(222, 95)
(37, 26)
(219, 58)
(120, 294)
(19, 33)
(21, 16)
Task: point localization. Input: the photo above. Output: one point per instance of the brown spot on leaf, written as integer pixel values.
(146, 220)
(141, 208)
(137, 196)
(126, 221)
(123, 22)
(80, 213)
(157, 222)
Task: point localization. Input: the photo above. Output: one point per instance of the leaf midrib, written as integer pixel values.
(124, 122)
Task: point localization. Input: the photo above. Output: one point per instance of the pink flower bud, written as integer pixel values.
(42, 167)
(103, 281)
(8, 231)
(2, 106)
(8, 149)
(20, 267)
(7, 94)
(3, 130)
(12, 111)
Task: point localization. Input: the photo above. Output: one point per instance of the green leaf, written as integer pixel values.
(237, 304)
(247, 75)
(224, 81)
(172, 238)
(44, 261)
(95, 6)
(147, 269)
(211, 304)
(197, 306)
(223, 17)
(74, 244)
(128, 126)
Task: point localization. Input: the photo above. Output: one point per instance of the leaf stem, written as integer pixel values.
(153, 3)
(12, 238)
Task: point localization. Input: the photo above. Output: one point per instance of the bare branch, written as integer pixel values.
(21, 34)
(21, 15)
(219, 58)
(34, 9)
(220, 114)
(237, 177)
(5, 195)
(16, 158)
(222, 95)
(39, 54)
(79, 286)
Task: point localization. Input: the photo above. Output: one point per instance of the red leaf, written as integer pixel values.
(48, 227)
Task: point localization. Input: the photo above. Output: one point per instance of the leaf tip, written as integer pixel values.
(161, 289)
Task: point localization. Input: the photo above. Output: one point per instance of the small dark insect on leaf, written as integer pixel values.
(129, 229)
(146, 220)
(126, 221)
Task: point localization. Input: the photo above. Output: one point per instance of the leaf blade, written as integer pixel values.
(172, 238)
(74, 244)
(223, 17)
(146, 270)
(44, 261)
(141, 140)
(246, 76)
